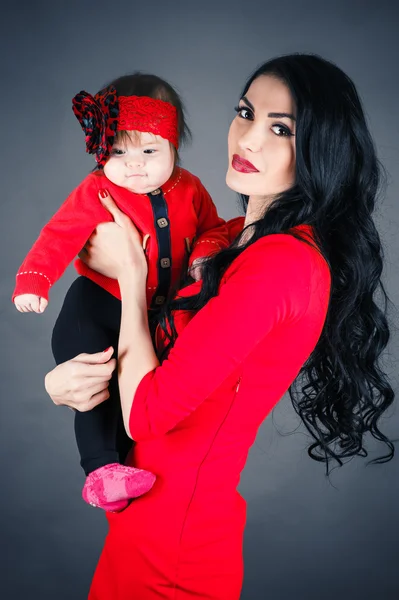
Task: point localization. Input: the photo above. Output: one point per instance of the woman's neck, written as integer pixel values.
(257, 206)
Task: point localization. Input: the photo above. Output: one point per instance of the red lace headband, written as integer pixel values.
(105, 114)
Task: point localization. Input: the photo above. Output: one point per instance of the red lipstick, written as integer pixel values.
(243, 166)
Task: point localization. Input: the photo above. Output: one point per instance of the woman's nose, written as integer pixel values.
(252, 140)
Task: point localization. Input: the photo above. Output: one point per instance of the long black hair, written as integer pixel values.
(341, 391)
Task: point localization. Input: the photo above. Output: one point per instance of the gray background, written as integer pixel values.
(306, 537)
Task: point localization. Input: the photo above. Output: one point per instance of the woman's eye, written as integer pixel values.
(243, 112)
(281, 131)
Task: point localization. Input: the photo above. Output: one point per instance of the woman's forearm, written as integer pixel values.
(136, 356)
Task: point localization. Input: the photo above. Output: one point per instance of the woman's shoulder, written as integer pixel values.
(284, 253)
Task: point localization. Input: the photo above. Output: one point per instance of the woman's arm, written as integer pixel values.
(212, 233)
(269, 286)
(116, 250)
(136, 356)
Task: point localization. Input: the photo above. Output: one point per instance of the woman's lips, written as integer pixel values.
(243, 166)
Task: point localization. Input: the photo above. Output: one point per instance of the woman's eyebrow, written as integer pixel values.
(272, 115)
(248, 103)
(276, 115)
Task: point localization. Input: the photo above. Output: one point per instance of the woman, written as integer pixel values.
(290, 301)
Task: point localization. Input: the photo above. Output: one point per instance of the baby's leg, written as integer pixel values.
(89, 321)
(79, 329)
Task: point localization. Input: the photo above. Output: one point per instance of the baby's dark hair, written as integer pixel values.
(145, 84)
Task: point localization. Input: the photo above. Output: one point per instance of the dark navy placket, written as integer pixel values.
(162, 228)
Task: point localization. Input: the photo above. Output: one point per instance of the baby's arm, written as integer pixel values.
(58, 243)
(212, 233)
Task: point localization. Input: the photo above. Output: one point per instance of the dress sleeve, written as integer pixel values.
(60, 240)
(269, 284)
(212, 234)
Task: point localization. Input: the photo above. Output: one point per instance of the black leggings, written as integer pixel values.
(89, 321)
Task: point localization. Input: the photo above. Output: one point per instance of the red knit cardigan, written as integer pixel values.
(193, 219)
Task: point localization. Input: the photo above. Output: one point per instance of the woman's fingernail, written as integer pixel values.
(106, 350)
(103, 193)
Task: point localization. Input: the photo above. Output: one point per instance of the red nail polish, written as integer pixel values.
(106, 350)
(103, 193)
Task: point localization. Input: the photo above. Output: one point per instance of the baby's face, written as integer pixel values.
(141, 162)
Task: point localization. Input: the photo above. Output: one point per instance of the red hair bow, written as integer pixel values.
(98, 118)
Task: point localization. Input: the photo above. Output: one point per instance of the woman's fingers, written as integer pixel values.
(96, 358)
(82, 383)
(89, 391)
(93, 401)
(119, 217)
(82, 393)
(94, 384)
(84, 375)
(100, 397)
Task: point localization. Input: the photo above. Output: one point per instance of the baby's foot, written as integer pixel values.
(112, 487)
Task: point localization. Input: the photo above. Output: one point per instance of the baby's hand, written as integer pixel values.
(196, 269)
(30, 303)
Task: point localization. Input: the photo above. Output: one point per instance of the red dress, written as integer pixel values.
(195, 418)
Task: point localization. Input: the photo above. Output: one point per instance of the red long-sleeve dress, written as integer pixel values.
(195, 417)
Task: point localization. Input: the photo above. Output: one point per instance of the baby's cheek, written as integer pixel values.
(111, 170)
(107, 168)
(164, 172)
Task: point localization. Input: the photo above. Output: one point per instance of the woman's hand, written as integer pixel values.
(116, 249)
(82, 382)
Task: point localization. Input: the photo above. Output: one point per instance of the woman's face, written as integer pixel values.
(261, 140)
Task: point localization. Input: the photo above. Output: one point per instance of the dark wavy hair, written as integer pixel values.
(341, 391)
(146, 84)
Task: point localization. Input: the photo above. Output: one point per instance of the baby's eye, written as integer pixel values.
(281, 131)
(149, 151)
(117, 152)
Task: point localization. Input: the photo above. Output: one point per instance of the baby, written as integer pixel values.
(134, 127)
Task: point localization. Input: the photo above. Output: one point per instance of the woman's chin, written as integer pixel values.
(235, 181)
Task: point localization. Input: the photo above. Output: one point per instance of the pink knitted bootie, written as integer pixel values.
(112, 487)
